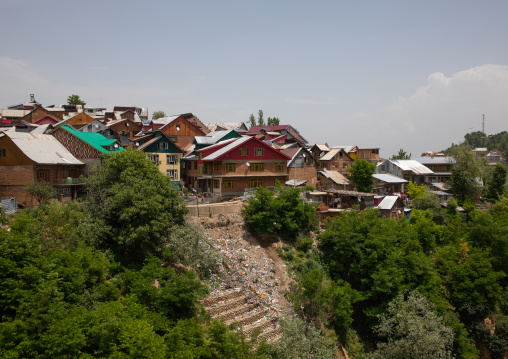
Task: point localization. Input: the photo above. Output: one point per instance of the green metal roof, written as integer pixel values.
(96, 140)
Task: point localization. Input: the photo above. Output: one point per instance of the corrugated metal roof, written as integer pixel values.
(330, 154)
(227, 148)
(43, 149)
(387, 202)
(336, 177)
(322, 147)
(148, 143)
(388, 178)
(298, 182)
(413, 166)
(347, 149)
(15, 113)
(226, 125)
(427, 160)
(212, 137)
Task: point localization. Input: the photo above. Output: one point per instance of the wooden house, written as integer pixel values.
(328, 180)
(278, 134)
(441, 167)
(230, 167)
(159, 148)
(302, 167)
(125, 127)
(29, 157)
(336, 160)
(77, 121)
(182, 131)
(40, 112)
(88, 147)
(389, 206)
(385, 184)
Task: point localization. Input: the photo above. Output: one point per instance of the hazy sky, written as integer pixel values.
(389, 74)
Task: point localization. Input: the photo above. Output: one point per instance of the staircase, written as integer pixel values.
(247, 311)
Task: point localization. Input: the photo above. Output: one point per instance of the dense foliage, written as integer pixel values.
(131, 205)
(361, 174)
(281, 213)
(65, 290)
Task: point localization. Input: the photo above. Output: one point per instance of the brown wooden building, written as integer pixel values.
(27, 157)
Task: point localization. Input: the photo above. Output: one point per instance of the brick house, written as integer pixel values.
(29, 157)
(336, 160)
(231, 166)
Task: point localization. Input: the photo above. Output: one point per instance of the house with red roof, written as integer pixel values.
(230, 167)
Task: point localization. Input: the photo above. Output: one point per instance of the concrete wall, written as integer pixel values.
(215, 209)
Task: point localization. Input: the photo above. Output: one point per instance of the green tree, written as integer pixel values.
(361, 174)
(413, 330)
(131, 204)
(467, 174)
(158, 114)
(41, 191)
(75, 100)
(402, 155)
(496, 184)
(283, 214)
(273, 121)
(252, 121)
(261, 120)
(302, 341)
(475, 139)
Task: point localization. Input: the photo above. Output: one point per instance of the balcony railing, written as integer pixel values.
(68, 181)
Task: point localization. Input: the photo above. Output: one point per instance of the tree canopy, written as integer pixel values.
(402, 155)
(75, 100)
(361, 174)
(158, 114)
(132, 204)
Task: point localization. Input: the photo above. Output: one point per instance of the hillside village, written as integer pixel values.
(217, 161)
(261, 270)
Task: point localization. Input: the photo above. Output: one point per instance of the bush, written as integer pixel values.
(282, 213)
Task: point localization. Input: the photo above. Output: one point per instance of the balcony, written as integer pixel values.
(69, 181)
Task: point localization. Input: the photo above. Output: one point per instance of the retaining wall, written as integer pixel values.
(215, 209)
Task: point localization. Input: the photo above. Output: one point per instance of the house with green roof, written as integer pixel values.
(88, 147)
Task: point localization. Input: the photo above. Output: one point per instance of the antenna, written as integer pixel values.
(483, 123)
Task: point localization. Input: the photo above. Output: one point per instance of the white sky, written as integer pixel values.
(388, 74)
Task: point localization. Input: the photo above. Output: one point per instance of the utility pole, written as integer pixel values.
(483, 123)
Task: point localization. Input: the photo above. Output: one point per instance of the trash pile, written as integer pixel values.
(250, 284)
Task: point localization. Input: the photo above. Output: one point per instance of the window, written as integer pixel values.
(200, 168)
(200, 155)
(66, 190)
(230, 167)
(259, 152)
(244, 151)
(216, 184)
(162, 146)
(196, 165)
(154, 159)
(178, 127)
(228, 184)
(2, 152)
(445, 168)
(126, 133)
(171, 159)
(216, 167)
(43, 175)
(255, 183)
(257, 167)
(279, 167)
(173, 174)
